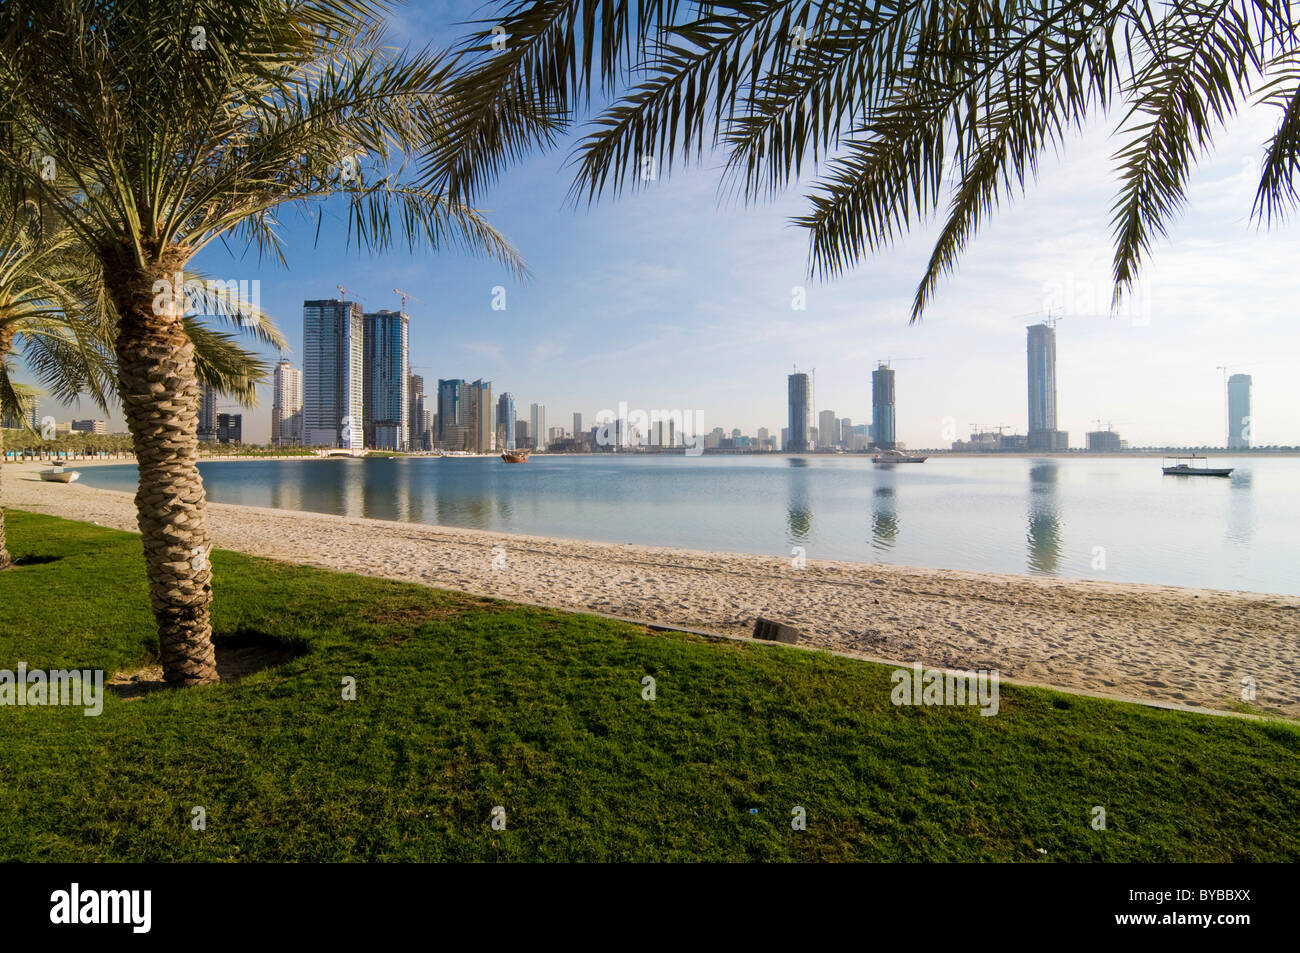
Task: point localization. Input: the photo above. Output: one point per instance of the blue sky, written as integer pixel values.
(669, 298)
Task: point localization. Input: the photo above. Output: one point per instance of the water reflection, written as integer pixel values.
(1006, 515)
(467, 504)
(402, 490)
(285, 486)
(417, 477)
(1044, 536)
(335, 487)
(1241, 508)
(884, 519)
(798, 508)
(505, 509)
(380, 490)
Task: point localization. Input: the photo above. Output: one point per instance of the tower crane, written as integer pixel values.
(404, 295)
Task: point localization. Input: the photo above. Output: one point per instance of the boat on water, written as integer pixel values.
(514, 456)
(59, 474)
(897, 456)
(1187, 466)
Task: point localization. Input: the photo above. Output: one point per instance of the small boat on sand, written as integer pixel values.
(897, 456)
(1188, 466)
(514, 456)
(58, 474)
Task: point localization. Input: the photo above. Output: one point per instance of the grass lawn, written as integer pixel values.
(464, 704)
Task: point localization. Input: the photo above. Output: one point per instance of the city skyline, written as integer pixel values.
(689, 305)
(483, 425)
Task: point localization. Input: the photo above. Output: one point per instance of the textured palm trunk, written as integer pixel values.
(160, 398)
(6, 342)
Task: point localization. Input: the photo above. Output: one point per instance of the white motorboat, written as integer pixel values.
(890, 457)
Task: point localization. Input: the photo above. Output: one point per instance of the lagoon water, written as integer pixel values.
(1111, 518)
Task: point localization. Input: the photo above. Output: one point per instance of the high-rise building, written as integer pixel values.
(480, 414)
(1042, 377)
(97, 427)
(882, 407)
(386, 411)
(800, 396)
(506, 421)
(1103, 441)
(1041, 351)
(537, 414)
(418, 436)
(333, 374)
(451, 415)
(1239, 422)
(577, 426)
(845, 431)
(785, 438)
(207, 413)
(522, 439)
(230, 428)
(286, 406)
(827, 429)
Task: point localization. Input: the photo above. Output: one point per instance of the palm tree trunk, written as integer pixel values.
(6, 342)
(5, 561)
(160, 398)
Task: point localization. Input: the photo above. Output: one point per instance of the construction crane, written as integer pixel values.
(343, 292)
(1051, 319)
(405, 295)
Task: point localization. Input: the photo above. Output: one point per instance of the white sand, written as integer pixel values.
(1188, 646)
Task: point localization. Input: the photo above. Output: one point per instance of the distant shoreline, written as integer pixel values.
(1135, 455)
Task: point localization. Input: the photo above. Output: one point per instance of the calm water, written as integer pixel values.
(1019, 515)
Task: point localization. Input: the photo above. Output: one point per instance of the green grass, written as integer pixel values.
(464, 704)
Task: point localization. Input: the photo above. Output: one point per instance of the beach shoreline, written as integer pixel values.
(1175, 645)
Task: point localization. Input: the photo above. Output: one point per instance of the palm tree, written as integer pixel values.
(43, 290)
(177, 125)
(53, 310)
(879, 98)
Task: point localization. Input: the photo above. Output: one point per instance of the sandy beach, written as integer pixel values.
(1162, 643)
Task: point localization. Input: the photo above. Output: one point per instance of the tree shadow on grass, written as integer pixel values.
(239, 654)
(34, 560)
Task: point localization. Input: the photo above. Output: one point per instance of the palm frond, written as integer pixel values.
(875, 99)
(1197, 73)
(1276, 195)
(222, 364)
